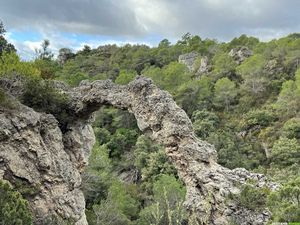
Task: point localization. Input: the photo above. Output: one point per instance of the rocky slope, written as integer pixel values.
(34, 156)
(35, 151)
(190, 60)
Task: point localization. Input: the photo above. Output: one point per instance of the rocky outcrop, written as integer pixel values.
(208, 184)
(32, 148)
(240, 54)
(189, 59)
(204, 67)
(33, 156)
(274, 67)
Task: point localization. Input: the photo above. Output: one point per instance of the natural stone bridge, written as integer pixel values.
(33, 149)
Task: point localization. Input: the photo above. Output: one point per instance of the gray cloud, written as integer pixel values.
(224, 19)
(80, 16)
(221, 19)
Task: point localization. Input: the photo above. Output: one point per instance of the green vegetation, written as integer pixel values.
(248, 110)
(43, 97)
(167, 204)
(14, 209)
(284, 203)
(252, 198)
(6, 102)
(4, 45)
(12, 65)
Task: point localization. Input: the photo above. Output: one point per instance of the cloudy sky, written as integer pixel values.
(74, 23)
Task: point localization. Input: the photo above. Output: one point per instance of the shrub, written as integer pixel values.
(251, 197)
(125, 77)
(284, 203)
(14, 210)
(262, 118)
(205, 122)
(291, 128)
(285, 152)
(4, 101)
(11, 64)
(41, 96)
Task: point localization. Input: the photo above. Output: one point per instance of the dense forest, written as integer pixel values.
(242, 96)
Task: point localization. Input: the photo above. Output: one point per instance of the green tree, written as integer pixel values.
(165, 43)
(225, 93)
(125, 77)
(252, 197)
(71, 73)
(243, 41)
(121, 141)
(291, 128)
(106, 213)
(120, 207)
(44, 53)
(257, 119)
(285, 203)
(127, 203)
(14, 210)
(97, 177)
(223, 65)
(85, 50)
(289, 97)
(151, 161)
(47, 68)
(43, 97)
(185, 39)
(169, 77)
(44, 61)
(167, 206)
(2, 29)
(285, 152)
(12, 65)
(205, 122)
(195, 95)
(4, 45)
(251, 70)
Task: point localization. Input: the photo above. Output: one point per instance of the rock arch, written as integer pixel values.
(43, 156)
(208, 184)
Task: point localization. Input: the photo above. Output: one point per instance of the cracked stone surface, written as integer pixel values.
(34, 150)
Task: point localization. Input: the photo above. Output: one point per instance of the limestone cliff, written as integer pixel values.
(34, 150)
(33, 154)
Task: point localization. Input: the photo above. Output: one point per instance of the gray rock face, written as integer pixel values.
(188, 59)
(204, 67)
(32, 152)
(34, 149)
(273, 67)
(208, 184)
(240, 54)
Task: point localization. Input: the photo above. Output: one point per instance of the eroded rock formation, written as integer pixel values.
(204, 67)
(33, 149)
(191, 61)
(240, 54)
(188, 59)
(33, 156)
